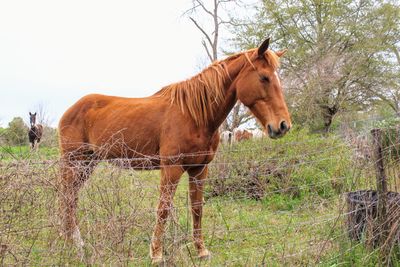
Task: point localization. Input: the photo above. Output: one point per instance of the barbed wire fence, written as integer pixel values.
(297, 202)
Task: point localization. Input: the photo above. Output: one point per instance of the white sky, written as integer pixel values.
(54, 52)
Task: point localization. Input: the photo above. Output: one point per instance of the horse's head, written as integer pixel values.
(32, 119)
(258, 87)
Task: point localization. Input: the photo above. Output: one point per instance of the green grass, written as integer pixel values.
(117, 216)
(8, 153)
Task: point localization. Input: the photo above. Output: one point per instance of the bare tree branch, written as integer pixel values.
(207, 50)
(201, 4)
(202, 30)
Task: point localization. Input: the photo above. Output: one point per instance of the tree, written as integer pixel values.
(43, 114)
(335, 54)
(17, 132)
(210, 42)
(388, 85)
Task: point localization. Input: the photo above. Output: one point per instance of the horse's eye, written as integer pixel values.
(264, 79)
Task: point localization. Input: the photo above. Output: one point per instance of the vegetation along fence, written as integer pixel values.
(306, 199)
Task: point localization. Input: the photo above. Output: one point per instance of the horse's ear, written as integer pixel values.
(281, 52)
(30, 113)
(34, 114)
(263, 47)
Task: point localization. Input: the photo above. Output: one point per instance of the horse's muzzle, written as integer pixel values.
(283, 129)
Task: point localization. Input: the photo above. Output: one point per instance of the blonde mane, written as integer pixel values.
(198, 94)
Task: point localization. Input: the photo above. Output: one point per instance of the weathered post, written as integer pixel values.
(381, 229)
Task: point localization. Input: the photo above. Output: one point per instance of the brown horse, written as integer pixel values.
(175, 130)
(35, 132)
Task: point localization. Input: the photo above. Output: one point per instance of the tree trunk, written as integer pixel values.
(328, 113)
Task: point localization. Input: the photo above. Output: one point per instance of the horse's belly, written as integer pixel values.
(125, 128)
(137, 163)
(126, 144)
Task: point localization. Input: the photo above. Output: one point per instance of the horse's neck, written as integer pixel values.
(222, 110)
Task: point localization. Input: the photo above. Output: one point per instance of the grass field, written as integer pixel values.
(299, 219)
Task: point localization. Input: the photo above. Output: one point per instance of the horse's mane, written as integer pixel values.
(272, 59)
(198, 94)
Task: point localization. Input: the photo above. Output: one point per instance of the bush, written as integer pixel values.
(3, 140)
(390, 137)
(17, 132)
(50, 137)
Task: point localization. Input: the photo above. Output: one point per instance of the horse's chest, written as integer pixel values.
(202, 150)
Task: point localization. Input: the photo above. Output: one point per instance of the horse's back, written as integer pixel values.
(72, 126)
(116, 127)
(103, 121)
(75, 114)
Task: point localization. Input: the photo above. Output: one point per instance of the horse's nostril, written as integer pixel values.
(270, 132)
(283, 127)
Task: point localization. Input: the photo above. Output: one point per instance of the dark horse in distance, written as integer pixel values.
(35, 132)
(174, 130)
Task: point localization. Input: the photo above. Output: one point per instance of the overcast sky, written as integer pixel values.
(54, 52)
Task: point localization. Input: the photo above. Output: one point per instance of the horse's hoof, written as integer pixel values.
(156, 261)
(156, 256)
(204, 254)
(76, 237)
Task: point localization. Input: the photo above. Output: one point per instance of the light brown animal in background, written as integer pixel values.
(175, 130)
(241, 135)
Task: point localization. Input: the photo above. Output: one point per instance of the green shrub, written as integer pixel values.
(390, 137)
(49, 138)
(298, 165)
(391, 143)
(3, 140)
(388, 122)
(17, 132)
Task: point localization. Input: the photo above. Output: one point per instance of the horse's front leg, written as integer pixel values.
(170, 176)
(197, 178)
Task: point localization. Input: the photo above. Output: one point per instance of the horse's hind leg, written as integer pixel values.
(74, 172)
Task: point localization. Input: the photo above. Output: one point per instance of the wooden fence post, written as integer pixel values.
(381, 228)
